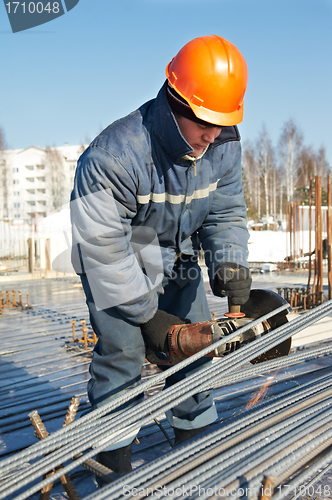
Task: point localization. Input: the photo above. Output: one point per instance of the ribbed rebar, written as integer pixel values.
(228, 478)
(296, 453)
(43, 483)
(61, 452)
(308, 472)
(242, 420)
(234, 427)
(298, 480)
(238, 446)
(226, 468)
(88, 426)
(136, 391)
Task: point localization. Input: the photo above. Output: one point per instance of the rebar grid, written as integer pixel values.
(227, 478)
(253, 352)
(238, 422)
(70, 467)
(124, 398)
(106, 493)
(244, 374)
(221, 450)
(325, 461)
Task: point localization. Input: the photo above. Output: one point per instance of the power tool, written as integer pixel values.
(188, 339)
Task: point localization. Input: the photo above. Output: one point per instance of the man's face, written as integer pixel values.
(197, 135)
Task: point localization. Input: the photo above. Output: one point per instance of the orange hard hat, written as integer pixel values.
(211, 74)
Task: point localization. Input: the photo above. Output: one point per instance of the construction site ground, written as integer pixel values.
(41, 368)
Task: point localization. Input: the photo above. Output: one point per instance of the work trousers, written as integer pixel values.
(120, 352)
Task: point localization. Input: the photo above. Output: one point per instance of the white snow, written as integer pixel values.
(264, 246)
(267, 246)
(273, 246)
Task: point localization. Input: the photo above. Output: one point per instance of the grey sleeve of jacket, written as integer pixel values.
(224, 234)
(103, 204)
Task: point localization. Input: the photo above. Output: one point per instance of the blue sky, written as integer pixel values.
(66, 80)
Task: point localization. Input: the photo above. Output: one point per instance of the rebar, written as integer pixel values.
(73, 329)
(233, 446)
(222, 452)
(41, 433)
(261, 344)
(300, 478)
(88, 455)
(226, 475)
(160, 377)
(237, 423)
(313, 468)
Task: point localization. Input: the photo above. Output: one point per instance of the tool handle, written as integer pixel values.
(234, 310)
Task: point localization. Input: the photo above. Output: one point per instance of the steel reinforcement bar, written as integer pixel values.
(111, 425)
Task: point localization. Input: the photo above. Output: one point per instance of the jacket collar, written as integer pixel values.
(167, 129)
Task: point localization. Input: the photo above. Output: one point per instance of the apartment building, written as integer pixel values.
(36, 181)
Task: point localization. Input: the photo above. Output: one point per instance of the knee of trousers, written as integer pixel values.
(197, 410)
(117, 358)
(192, 419)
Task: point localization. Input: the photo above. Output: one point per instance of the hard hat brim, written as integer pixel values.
(216, 118)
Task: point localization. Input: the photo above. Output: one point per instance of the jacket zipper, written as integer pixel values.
(194, 163)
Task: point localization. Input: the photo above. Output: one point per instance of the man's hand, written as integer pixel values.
(155, 330)
(234, 281)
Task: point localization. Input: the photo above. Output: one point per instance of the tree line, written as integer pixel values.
(274, 176)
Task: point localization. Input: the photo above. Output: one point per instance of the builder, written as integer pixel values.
(150, 191)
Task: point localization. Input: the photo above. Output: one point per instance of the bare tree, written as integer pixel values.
(260, 176)
(55, 169)
(310, 164)
(265, 167)
(290, 144)
(273, 177)
(281, 188)
(323, 167)
(306, 167)
(252, 181)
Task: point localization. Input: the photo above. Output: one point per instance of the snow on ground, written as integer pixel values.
(267, 246)
(273, 246)
(264, 246)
